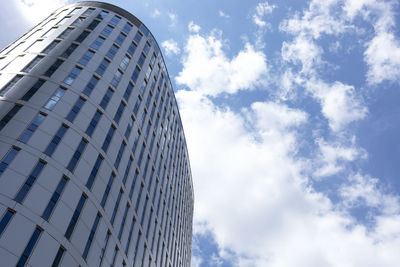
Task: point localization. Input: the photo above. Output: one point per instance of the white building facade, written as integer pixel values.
(94, 169)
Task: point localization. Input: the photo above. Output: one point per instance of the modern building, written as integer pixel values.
(94, 169)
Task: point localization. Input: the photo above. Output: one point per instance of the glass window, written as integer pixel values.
(108, 138)
(90, 85)
(102, 14)
(136, 107)
(128, 167)
(78, 21)
(146, 48)
(107, 30)
(138, 37)
(128, 241)
(50, 47)
(77, 155)
(10, 85)
(32, 64)
(58, 257)
(129, 128)
(120, 39)
(50, 32)
(141, 60)
(121, 227)
(36, 47)
(5, 220)
(53, 68)
(75, 109)
(86, 57)
(135, 176)
(75, 217)
(29, 247)
(24, 190)
(127, 28)
(56, 140)
(93, 24)
(74, 11)
(69, 50)
(91, 236)
(128, 91)
(97, 43)
(8, 158)
(119, 155)
(106, 98)
(124, 63)
(102, 67)
(112, 51)
(114, 21)
(9, 116)
(63, 20)
(119, 112)
(54, 198)
(55, 98)
(82, 36)
(116, 207)
(26, 135)
(65, 33)
(143, 88)
(33, 90)
(107, 190)
(148, 72)
(135, 74)
(93, 123)
(117, 78)
(72, 76)
(132, 49)
(88, 12)
(94, 172)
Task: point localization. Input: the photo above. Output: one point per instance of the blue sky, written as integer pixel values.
(292, 121)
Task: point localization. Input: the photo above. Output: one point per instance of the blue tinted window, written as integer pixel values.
(94, 172)
(128, 128)
(124, 63)
(114, 21)
(107, 30)
(112, 51)
(119, 155)
(82, 36)
(135, 74)
(88, 12)
(10, 85)
(90, 85)
(54, 198)
(133, 184)
(86, 58)
(75, 109)
(127, 28)
(141, 60)
(132, 49)
(146, 48)
(135, 142)
(126, 173)
(93, 123)
(106, 98)
(97, 43)
(102, 15)
(7, 159)
(50, 47)
(78, 21)
(32, 64)
(33, 90)
(108, 138)
(55, 98)
(5, 220)
(58, 257)
(136, 107)
(53, 68)
(93, 24)
(107, 190)
(77, 155)
(118, 113)
(102, 67)
(9, 116)
(24, 190)
(117, 78)
(120, 39)
(128, 91)
(91, 236)
(29, 247)
(65, 33)
(121, 228)
(56, 140)
(75, 217)
(31, 128)
(138, 37)
(72, 76)
(116, 207)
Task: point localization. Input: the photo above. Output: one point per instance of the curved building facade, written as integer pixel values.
(94, 169)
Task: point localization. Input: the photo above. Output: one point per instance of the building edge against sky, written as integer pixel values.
(94, 168)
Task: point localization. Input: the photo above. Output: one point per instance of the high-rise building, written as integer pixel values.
(94, 169)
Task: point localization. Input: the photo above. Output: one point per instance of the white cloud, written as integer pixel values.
(339, 103)
(223, 14)
(155, 13)
(36, 10)
(261, 10)
(207, 69)
(332, 157)
(170, 47)
(173, 17)
(192, 27)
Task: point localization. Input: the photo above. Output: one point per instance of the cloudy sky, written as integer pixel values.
(292, 119)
